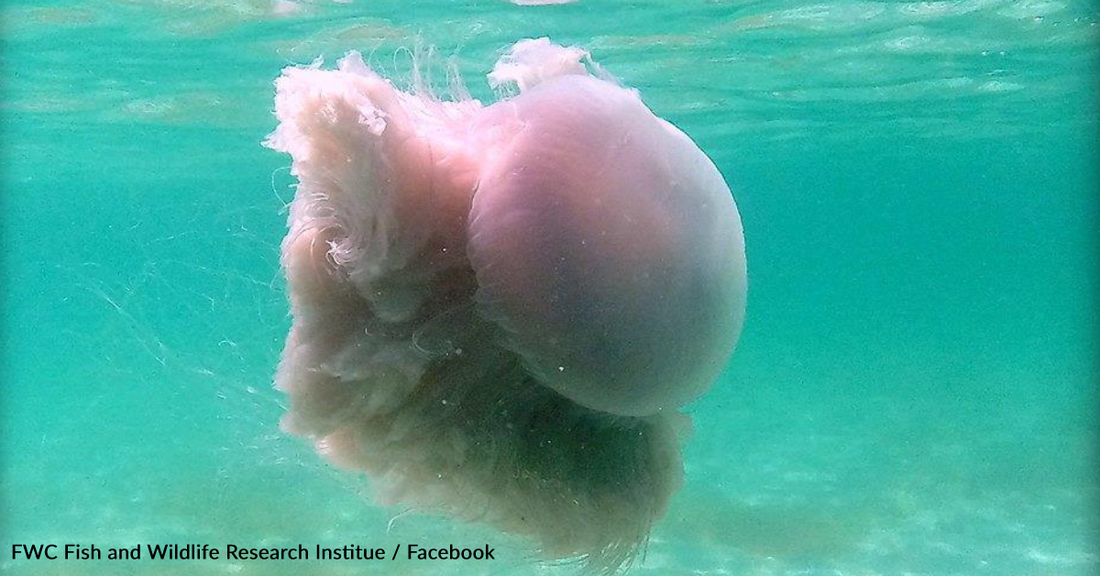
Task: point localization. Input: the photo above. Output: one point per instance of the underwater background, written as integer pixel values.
(914, 391)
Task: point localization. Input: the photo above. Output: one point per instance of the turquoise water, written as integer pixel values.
(914, 391)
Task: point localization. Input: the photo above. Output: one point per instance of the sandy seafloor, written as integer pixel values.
(914, 392)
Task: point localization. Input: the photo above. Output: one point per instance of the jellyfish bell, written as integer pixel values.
(498, 310)
(609, 249)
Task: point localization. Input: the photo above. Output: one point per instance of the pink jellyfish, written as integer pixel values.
(500, 309)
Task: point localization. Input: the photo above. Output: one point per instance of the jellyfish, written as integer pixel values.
(500, 311)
